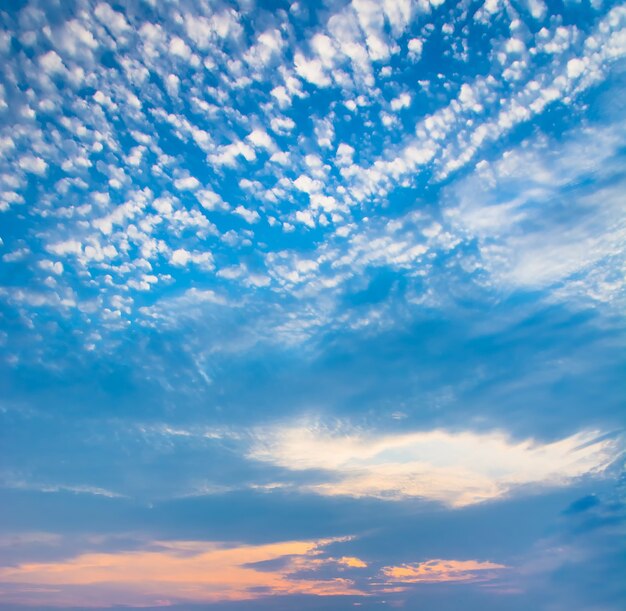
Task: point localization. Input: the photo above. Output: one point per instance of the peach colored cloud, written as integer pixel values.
(352, 562)
(437, 571)
(172, 572)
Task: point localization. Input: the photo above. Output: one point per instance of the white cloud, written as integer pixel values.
(305, 217)
(537, 8)
(210, 200)
(456, 468)
(282, 158)
(227, 155)
(267, 46)
(525, 241)
(515, 46)
(179, 48)
(311, 70)
(55, 267)
(281, 95)
(324, 133)
(307, 184)
(182, 257)
(163, 205)
(172, 84)
(250, 216)
(415, 47)
(575, 67)
(345, 154)
(282, 125)
(34, 165)
(187, 183)
(402, 101)
(261, 139)
(112, 19)
(51, 62)
(67, 247)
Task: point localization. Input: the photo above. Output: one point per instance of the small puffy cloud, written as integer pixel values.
(163, 205)
(537, 8)
(250, 216)
(281, 158)
(282, 125)
(345, 154)
(112, 19)
(210, 200)
(515, 46)
(326, 202)
(187, 183)
(402, 101)
(311, 70)
(261, 139)
(415, 47)
(68, 247)
(352, 562)
(268, 46)
(575, 67)
(182, 257)
(281, 95)
(307, 184)
(54, 267)
(324, 133)
(227, 155)
(16, 255)
(305, 217)
(179, 47)
(172, 84)
(33, 165)
(51, 62)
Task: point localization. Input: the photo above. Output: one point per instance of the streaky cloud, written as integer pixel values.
(455, 468)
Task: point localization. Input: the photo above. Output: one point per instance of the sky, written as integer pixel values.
(313, 305)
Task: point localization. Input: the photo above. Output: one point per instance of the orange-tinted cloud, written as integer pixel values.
(352, 562)
(436, 571)
(172, 572)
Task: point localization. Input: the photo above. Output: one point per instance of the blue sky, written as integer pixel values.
(312, 305)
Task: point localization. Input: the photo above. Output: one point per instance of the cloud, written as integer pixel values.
(415, 46)
(182, 257)
(402, 101)
(250, 216)
(355, 228)
(261, 139)
(512, 208)
(455, 468)
(441, 571)
(188, 183)
(34, 165)
(312, 70)
(175, 572)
